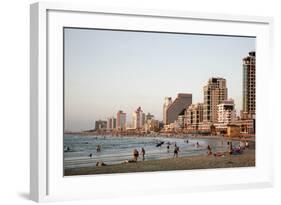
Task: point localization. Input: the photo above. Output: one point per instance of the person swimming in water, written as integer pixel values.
(98, 148)
(168, 148)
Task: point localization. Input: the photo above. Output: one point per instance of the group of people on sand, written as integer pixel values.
(231, 149)
(238, 150)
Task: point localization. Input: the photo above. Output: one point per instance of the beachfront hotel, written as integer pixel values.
(226, 116)
(226, 112)
(215, 92)
(249, 86)
(173, 109)
(121, 120)
(193, 116)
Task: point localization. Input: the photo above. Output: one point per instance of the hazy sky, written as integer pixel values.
(107, 71)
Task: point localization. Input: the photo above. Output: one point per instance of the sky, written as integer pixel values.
(106, 71)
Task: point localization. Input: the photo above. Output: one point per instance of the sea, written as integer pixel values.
(81, 150)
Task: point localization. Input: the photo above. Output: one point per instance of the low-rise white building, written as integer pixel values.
(226, 112)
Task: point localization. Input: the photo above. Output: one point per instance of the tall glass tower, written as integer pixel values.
(249, 85)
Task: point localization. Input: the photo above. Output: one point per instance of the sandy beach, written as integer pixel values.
(247, 159)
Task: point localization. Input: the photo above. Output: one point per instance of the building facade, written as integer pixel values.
(226, 112)
(247, 126)
(137, 119)
(176, 108)
(215, 92)
(233, 131)
(111, 123)
(193, 116)
(167, 103)
(121, 120)
(152, 125)
(249, 86)
(100, 125)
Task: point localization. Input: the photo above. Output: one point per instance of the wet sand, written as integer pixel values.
(247, 159)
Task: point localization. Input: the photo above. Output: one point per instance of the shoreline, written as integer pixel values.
(177, 136)
(247, 159)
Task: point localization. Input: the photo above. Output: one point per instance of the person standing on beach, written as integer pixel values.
(136, 154)
(143, 153)
(176, 151)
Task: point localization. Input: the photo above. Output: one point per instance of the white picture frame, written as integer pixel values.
(46, 178)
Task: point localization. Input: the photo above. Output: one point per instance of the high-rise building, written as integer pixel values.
(226, 112)
(249, 85)
(111, 123)
(121, 120)
(194, 116)
(100, 125)
(138, 118)
(143, 119)
(167, 103)
(172, 109)
(215, 92)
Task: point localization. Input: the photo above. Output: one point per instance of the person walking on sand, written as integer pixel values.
(142, 153)
(176, 151)
(135, 154)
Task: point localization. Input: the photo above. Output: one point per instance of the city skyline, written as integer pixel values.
(124, 66)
